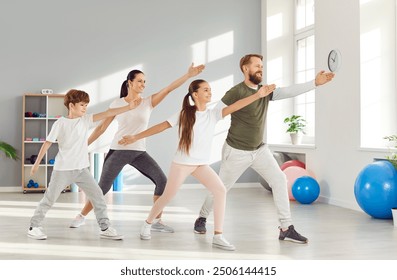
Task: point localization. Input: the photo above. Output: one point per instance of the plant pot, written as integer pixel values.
(296, 138)
(394, 213)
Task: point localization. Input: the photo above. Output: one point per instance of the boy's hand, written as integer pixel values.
(34, 169)
(266, 90)
(127, 139)
(135, 103)
(195, 70)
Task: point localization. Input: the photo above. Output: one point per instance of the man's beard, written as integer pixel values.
(254, 78)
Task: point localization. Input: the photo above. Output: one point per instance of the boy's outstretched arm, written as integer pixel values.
(128, 139)
(116, 111)
(44, 148)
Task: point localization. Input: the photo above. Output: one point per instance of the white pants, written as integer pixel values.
(235, 162)
(206, 176)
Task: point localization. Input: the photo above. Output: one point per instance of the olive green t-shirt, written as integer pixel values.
(247, 124)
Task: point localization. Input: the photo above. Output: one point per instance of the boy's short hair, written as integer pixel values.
(246, 59)
(75, 96)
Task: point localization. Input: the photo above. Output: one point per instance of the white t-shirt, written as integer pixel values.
(132, 122)
(72, 138)
(203, 134)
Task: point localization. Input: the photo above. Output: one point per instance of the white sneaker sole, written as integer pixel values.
(294, 240)
(76, 226)
(145, 237)
(161, 230)
(117, 237)
(43, 237)
(226, 248)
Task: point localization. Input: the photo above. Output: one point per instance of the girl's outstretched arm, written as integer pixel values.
(128, 139)
(262, 92)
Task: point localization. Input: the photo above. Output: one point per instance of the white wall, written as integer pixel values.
(337, 157)
(93, 44)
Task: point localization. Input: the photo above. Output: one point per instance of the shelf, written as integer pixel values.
(51, 106)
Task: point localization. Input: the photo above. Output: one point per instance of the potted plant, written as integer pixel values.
(9, 151)
(393, 156)
(296, 128)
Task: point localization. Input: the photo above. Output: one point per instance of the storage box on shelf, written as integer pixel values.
(40, 111)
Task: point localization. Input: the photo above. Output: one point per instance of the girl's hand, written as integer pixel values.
(127, 139)
(195, 70)
(266, 90)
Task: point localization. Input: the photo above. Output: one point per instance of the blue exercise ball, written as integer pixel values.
(305, 189)
(375, 189)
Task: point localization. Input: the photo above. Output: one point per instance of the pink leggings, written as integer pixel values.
(206, 176)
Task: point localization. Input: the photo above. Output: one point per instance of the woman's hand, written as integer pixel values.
(195, 70)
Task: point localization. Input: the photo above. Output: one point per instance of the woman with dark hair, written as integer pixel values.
(134, 154)
(196, 129)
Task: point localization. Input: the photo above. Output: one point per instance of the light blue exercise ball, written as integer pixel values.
(375, 189)
(305, 189)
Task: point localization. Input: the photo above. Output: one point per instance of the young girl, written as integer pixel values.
(196, 128)
(135, 154)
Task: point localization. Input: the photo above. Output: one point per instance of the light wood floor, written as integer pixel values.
(251, 225)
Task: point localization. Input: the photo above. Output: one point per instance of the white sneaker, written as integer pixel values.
(36, 233)
(220, 242)
(145, 231)
(111, 233)
(161, 227)
(78, 221)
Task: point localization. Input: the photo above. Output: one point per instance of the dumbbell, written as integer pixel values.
(32, 159)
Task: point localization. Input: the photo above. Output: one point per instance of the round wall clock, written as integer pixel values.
(334, 60)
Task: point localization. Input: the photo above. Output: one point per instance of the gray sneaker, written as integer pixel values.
(78, 221)
(145, 231)
(199, 225)
(110, 233)
(220, 242)
(36, 233)
(292, 235)
(160, 227)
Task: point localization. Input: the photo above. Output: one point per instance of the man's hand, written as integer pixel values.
(324, 77)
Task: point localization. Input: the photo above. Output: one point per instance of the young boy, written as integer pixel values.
(72, 162)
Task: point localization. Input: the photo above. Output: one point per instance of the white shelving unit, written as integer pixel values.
(40, 111)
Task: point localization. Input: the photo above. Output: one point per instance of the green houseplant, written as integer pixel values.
(296, 128)
(9, 151)
(393, 156)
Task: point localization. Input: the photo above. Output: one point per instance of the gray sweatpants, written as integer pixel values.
(59, 180)
(235, 162)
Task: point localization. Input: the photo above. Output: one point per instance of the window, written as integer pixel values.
(378, 93)
(290, 60)
(304, 105)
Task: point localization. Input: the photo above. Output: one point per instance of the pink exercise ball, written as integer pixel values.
(293, 173)
(293, 162)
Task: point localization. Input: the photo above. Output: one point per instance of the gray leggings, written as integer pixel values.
(115, 161)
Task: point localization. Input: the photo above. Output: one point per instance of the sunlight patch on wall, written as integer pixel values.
(107, 88)
(213, 49)
(275, 75)
(274, 27)
(219, 88)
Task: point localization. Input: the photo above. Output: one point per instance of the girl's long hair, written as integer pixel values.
(187, 118)
(131, 76)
